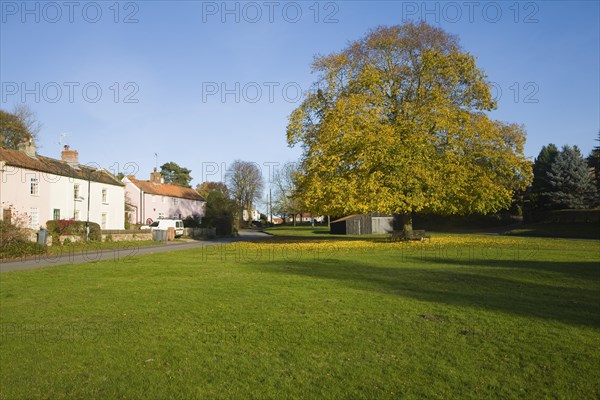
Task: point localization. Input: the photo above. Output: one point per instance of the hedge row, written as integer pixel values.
(73, 228)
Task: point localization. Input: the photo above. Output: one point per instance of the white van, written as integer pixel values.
(165, 224)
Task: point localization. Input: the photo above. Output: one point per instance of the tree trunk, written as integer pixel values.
(403, 222)
(241, 218)
(294, 219)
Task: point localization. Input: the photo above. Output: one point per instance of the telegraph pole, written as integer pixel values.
(270, 207)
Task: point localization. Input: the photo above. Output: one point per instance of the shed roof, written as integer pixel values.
(346, 218)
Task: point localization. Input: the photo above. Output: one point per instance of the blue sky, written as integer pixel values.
(162, 66)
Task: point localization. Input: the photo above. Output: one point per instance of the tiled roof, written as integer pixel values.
(164, 189)
(305, 215)
(19, 159)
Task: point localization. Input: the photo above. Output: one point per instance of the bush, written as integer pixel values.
(461, 222)
(14, 239)
(194, 221)
(127, 223)
(11, 233)
(73, 228)
(20, 249)
(219, 213)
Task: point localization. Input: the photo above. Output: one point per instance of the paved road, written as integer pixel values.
(91, 254)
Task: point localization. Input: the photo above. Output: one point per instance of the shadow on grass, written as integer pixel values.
(556, 230)
(587, 270)
(325, 236)
(463, 288)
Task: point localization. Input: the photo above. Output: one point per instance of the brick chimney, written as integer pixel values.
(156, 177)
(70, 156)
(27, 146)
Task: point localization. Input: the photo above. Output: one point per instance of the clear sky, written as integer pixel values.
(205, 83)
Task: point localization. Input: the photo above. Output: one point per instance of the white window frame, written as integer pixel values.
(76, 191)
(104, 196)
(34, 186)
(34, 218)
(104, 220)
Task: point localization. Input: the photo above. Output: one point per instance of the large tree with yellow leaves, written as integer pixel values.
(397, 123)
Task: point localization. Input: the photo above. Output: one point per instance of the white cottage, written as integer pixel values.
(43, 189)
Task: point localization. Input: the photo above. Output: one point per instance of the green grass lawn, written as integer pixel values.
(460, 317)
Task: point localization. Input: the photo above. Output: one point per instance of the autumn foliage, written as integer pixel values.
(398, 123)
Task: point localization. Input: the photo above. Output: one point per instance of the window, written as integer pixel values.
(76, 191)
(175, 201)
(56, 214)
(34, 187)
(104, 195)
(104, 219)
(161, 215)
(77, 215)
(34, 218)
(164, 199)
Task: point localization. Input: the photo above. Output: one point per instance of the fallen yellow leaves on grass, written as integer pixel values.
(471, 247)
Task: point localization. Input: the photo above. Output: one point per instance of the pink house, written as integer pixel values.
(150, 200)
(40, 189)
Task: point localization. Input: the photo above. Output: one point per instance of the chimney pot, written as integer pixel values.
(156, 177)
(70, 156)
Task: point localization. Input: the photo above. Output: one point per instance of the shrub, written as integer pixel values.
(192, 221)
(14, 242)
(73, 228)
(127, 222)
(11, 233)
(20, 249)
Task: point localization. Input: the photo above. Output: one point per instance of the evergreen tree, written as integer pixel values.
(570, 181)
(594, 162)
(540, 186)
(175, 174)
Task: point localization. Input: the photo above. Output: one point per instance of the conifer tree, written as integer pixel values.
(570, 181)
(540, 186)
(594, 162)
